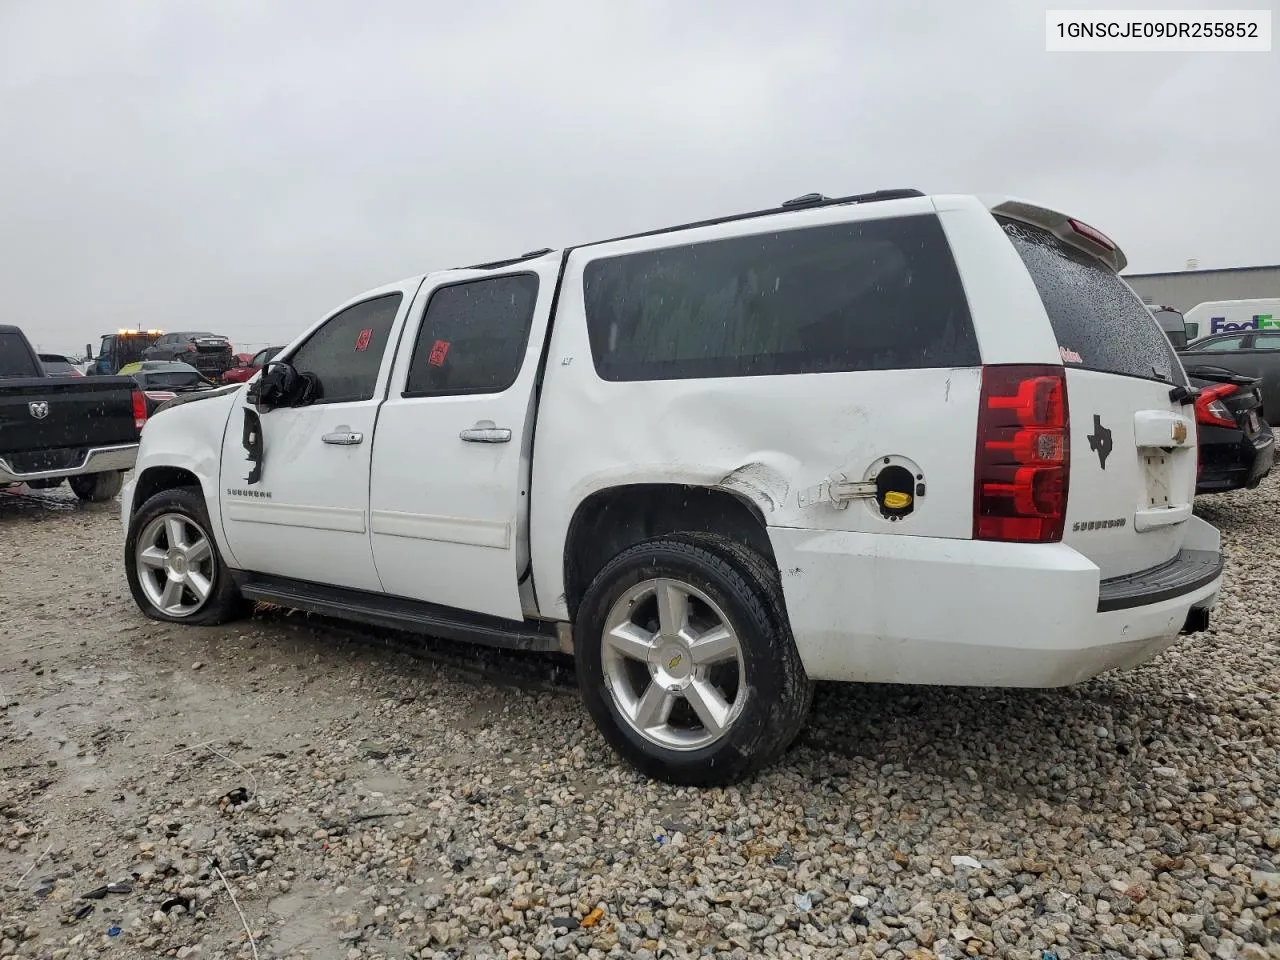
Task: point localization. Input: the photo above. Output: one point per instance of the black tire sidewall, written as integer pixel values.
(96, 487)
(754, 738)
(224, 600)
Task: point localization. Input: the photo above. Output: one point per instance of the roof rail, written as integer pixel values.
(499, 264)
(807, 202)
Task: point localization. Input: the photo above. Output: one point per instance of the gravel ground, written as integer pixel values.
(356, 801)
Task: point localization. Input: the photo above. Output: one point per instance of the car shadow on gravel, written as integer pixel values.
(1105, 736)
(20, 505)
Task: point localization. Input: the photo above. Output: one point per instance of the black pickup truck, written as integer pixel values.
(80, 429)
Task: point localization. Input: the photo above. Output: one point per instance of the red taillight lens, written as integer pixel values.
(139, 409)
(1092, 233)
(1024, 455)
(1211, 411)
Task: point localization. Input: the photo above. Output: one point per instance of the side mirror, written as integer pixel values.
(278, 386)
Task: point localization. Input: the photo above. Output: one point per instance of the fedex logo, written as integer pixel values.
(1259, 321)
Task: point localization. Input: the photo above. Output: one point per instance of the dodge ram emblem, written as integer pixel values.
(39, 409)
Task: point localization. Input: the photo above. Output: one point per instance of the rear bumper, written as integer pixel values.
(96, 460)
(1231, 461)
(874, 608)
(215, 363)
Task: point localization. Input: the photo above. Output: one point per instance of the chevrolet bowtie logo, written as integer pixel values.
(675, 662)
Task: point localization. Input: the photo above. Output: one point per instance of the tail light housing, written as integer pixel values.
(139, 410)
(1023, 460)
(1092, 233)
(1211, 411)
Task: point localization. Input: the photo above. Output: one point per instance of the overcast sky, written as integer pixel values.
(244, 166)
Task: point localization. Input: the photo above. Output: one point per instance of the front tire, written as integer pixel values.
(97, 487)
(173, 566)
(686, 661)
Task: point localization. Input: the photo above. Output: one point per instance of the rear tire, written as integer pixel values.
(657, 639)
(97, 487)
(173, 565)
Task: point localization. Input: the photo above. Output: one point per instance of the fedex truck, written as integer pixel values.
(1229, 316)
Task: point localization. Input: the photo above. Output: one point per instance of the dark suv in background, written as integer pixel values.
(210, 353)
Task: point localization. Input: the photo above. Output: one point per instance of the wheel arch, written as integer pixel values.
(159, 478)
(612, 519)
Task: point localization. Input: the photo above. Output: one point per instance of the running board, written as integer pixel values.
(398, 613)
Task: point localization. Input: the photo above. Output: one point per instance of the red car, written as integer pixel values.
(250, 366)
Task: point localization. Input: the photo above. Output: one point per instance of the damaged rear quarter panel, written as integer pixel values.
(763, 438)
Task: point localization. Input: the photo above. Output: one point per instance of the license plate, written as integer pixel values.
(1253, 421)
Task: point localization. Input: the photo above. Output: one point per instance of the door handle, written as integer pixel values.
(485, 431)
(343, 438)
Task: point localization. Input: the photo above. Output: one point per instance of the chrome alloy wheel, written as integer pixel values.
(673, 665)
(175, 564)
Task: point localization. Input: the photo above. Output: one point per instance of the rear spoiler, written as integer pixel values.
(1221, 375)
(1069, 230)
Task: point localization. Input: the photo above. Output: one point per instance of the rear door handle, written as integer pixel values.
(486, 432)
(343, 438)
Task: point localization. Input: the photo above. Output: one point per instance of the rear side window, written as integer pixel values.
(15, 358)
(473, 337)
(1223, 345)
(346, 353)
(1100, 323)
(875, 295)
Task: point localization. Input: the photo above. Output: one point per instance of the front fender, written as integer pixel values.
(188, 437)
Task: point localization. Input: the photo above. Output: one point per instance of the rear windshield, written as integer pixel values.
(871, 295)
(1100, 323)
(57, 366)
(15, 358)
(169, 381)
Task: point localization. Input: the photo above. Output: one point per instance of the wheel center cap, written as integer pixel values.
(177, 564)
(671, 664)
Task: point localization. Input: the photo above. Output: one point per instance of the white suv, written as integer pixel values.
(883, 438)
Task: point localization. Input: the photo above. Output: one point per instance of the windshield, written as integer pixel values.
(1100, 323)
(15, 358)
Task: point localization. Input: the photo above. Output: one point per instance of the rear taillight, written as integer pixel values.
(1210, 410)
(1023, 456)
(1092, 233)
(139, 409)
